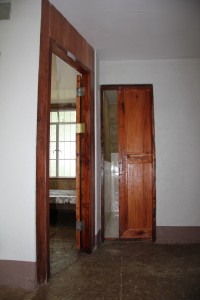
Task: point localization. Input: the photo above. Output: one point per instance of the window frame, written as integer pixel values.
(58, 108)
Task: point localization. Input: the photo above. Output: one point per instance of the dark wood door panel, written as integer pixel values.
(139, 191)
(137, 108)
(136, 162)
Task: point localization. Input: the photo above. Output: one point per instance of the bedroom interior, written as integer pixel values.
(62, 193)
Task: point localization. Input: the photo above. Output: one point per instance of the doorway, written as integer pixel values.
(59, 37)
(128, 189)
(64, 167)
(84, 187)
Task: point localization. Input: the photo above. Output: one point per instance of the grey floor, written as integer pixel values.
(117, 270)
(63, 250)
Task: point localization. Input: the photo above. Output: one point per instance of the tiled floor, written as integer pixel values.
(119, 270)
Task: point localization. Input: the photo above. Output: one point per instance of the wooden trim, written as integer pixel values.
(62, 106)
(17, 274)
(122, 86)
(178, 234)
(63, 54)
(102, 171)
(87, 164)
(42, 157)
(154, 169)
(67, 38)
(59, 37)
(78, 164)
(119, 87)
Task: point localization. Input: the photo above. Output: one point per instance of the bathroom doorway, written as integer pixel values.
(110, 164)
(128, 148)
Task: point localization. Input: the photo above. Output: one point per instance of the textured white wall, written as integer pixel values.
(177, 131)
(19, 62)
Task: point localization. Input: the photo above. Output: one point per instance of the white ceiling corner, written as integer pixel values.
(136, 29)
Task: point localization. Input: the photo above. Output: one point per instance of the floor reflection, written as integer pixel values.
(63, 250)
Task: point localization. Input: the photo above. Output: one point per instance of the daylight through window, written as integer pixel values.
(63, 143)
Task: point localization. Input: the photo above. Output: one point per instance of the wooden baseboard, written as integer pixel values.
(18, 274)
(177, 234)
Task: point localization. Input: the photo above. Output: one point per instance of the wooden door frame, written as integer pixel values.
(119, 87)
(60, 38)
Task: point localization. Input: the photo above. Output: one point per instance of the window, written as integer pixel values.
(63, 143)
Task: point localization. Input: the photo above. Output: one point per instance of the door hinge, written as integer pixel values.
(80, 128)
(79, 225)
(80, 92)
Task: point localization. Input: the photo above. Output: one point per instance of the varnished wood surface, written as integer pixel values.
(133, 159)
(42, 156)
(102, 166)
(139, 195)
(136, 162)
(137, 106)
(62, 183)
(69, 39)
(78, 163)
(87, 164)
(59, 37)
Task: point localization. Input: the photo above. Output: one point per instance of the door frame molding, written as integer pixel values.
(119, 87)
(59, 37)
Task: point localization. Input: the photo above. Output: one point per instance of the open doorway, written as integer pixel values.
(59, 37)
(64, 167)
(110, 164)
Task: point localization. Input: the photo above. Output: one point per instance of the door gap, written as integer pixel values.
(110, 164)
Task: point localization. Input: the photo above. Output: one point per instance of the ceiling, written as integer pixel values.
(136, 29)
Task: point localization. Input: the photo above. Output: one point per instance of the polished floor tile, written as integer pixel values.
(118, 270)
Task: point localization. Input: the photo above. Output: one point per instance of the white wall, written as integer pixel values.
(177, 128)
(19, 62)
